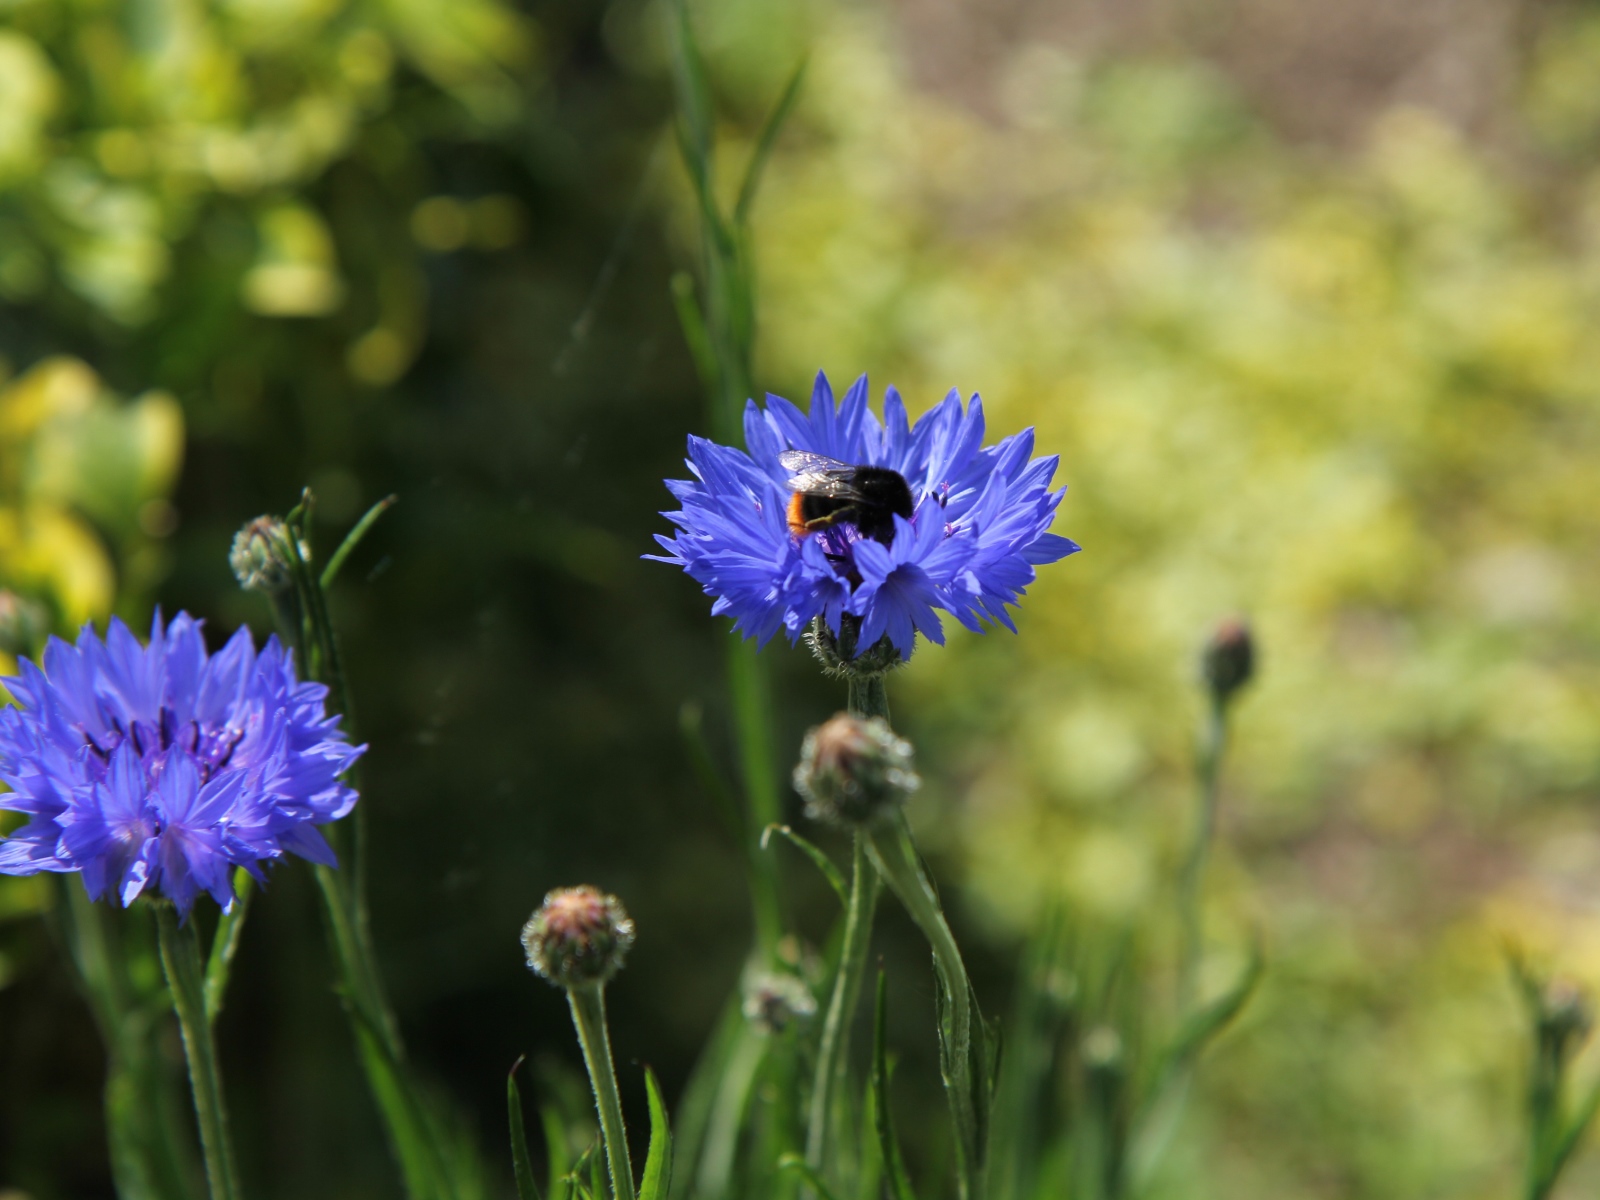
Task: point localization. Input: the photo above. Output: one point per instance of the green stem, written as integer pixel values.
(382, 1053)
(225, 943)
(747, 681)
(180, 960)
(728, 1113)
(356, 961)
(152, 1157)
(589, 1015)
(1544, 1110)
(1208, 772)
(833, 1051)
(868, 697)
(413, 1136)
(895, 856)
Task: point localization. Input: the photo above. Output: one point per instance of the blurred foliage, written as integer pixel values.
(84, 487)
(1353, 398)
(392, 247)
(123, 122)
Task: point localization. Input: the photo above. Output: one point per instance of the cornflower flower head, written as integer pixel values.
(161, 767)
(965, 541)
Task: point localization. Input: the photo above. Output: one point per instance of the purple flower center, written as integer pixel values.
(210, 749)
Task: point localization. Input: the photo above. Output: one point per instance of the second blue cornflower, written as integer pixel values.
(844, 520)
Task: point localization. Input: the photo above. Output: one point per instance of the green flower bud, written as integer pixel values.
(839, 657)
(578, 937)
(1103, 1051)
(260, 557)
(1229, 660)
(24, 624)
(853, 771)
(1565, 1013)
(774, 1002)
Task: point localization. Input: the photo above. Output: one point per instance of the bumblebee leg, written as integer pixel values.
(847, 513)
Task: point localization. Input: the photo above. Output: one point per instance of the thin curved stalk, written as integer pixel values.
(896, 858)
(180, 960)
(1208, 770)
(833, 1051)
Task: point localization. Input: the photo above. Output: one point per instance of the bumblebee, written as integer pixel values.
(828, 492)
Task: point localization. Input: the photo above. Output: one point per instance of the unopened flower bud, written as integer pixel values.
(1102, 1049)
(854, 771)
(24, 624)
(260, 556)
(841, 658)
(1565, 1011)
(1228, 660)
(774, 1002)
(578, 937)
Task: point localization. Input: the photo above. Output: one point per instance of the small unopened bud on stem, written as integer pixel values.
(1228, 661)
(261, 557)
(577, 940)
(24, 624)
(1227, 664)
(1565, 1013)
(774, 1002)
(854, 772)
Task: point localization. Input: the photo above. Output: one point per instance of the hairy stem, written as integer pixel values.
(589, 1015)
(180, 959)
(868, 697)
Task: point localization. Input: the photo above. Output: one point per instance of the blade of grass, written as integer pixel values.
(1576, 1127)
(764, 143)
(1213, 1018)
(798, 1166)
(521, 1164)
(225, 944)
(695, 335)
(353, 539)
(894, 1164)
(555, 1148)
(693, 89)
(823, 863)
(712, 782)
(658, 1162)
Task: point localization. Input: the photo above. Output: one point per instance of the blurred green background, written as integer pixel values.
(1304, 296)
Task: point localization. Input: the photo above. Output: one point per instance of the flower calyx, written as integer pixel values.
(854, 771)
(578, 938)
(839, 655)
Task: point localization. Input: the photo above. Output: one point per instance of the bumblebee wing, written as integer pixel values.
(819, 475)
(803, 462)
(829, 486)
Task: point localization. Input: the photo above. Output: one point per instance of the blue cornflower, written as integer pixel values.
(973, 529)
(163, 767)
